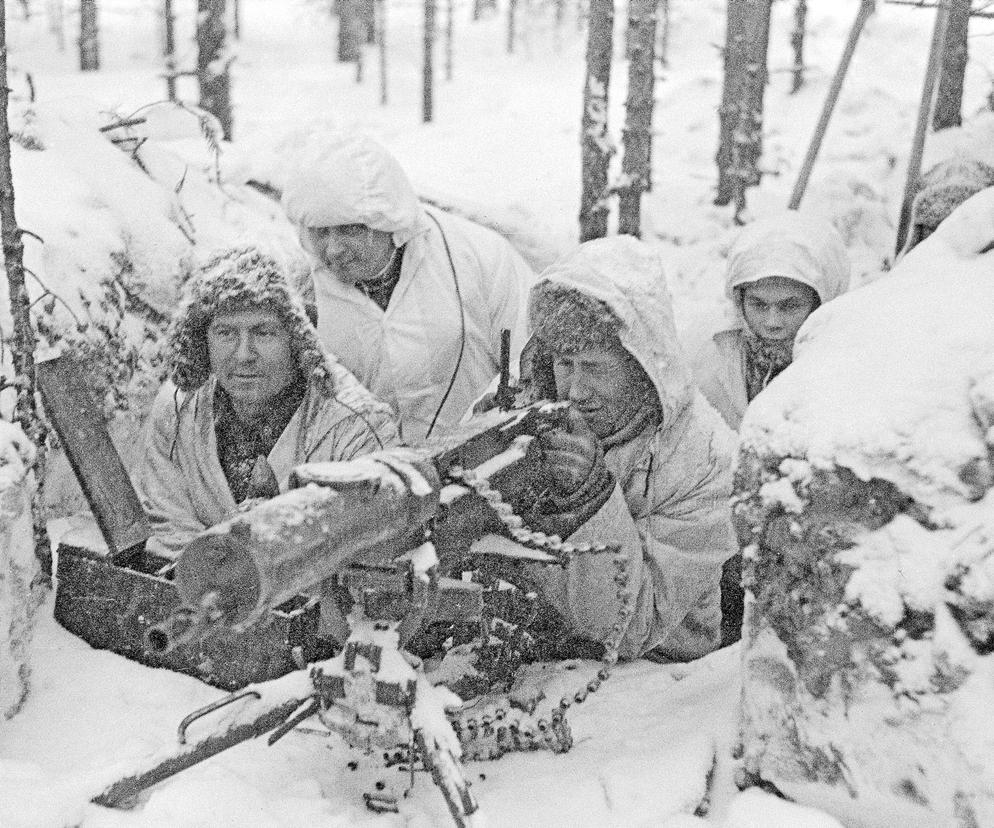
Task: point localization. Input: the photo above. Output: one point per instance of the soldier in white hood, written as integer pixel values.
(780, 269)
(412, 300)
(645, 462)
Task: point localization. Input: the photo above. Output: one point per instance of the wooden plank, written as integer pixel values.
(78, 420)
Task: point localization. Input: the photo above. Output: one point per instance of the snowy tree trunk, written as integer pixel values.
(236, 19)
(949, 98)
(348, 30)
(381, 40)
(169, 48)
(596, 148)
(428, 70)
(741, 112)
(369, 22)
(212, 63)
(797, 44)
(450, 24)
(636, 165)
(19, 566)
(89, 45)
(512, 14)
(22, 344)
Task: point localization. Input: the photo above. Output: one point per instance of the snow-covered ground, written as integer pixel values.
(504, 146)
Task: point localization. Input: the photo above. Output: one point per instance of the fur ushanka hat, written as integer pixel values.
(568, 320)
(241, 278)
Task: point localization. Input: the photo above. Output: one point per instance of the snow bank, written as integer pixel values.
(865, 494)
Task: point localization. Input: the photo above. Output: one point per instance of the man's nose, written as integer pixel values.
(774, 319)
(579, 390)
(246, 350)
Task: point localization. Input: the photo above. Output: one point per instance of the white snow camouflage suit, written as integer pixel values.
(407, 354)
(669, 509)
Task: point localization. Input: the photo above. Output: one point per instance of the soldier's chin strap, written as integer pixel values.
(462, 327)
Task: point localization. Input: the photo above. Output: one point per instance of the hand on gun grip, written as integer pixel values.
(572, 462)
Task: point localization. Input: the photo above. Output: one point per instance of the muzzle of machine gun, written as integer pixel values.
(185, 624)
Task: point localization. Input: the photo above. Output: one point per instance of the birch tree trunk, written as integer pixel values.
(595, 143)
(949, 98)
(741, 112)
(797, 44)
(428, 72)
(636, 165)
(213, 63)
(89, 44)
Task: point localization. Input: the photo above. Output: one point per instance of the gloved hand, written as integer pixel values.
(573, 468)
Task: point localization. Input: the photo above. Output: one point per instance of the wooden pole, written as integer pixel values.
(866, 8)
(921, 126)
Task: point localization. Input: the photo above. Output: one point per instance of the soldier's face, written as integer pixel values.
(351, 252)
(600, 383)
(251, 354)
(776, 307)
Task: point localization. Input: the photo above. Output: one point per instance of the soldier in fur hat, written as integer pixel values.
(251, 394)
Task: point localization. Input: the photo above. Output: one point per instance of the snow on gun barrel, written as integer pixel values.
(375, 506)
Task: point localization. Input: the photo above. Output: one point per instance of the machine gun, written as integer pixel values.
(375, 536)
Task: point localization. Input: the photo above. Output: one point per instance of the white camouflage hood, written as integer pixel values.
(627, 275)
(792, 245)
(350, 179)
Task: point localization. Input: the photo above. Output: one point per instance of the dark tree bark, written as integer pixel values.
(741, 112)
(949, 98)
(236, 19)
(169, 48)
(797, 44)
(428, 75)
(213, 64)
(349, 24)
(512, 14)
(596, 149)
(636, 165)
(89, 44)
